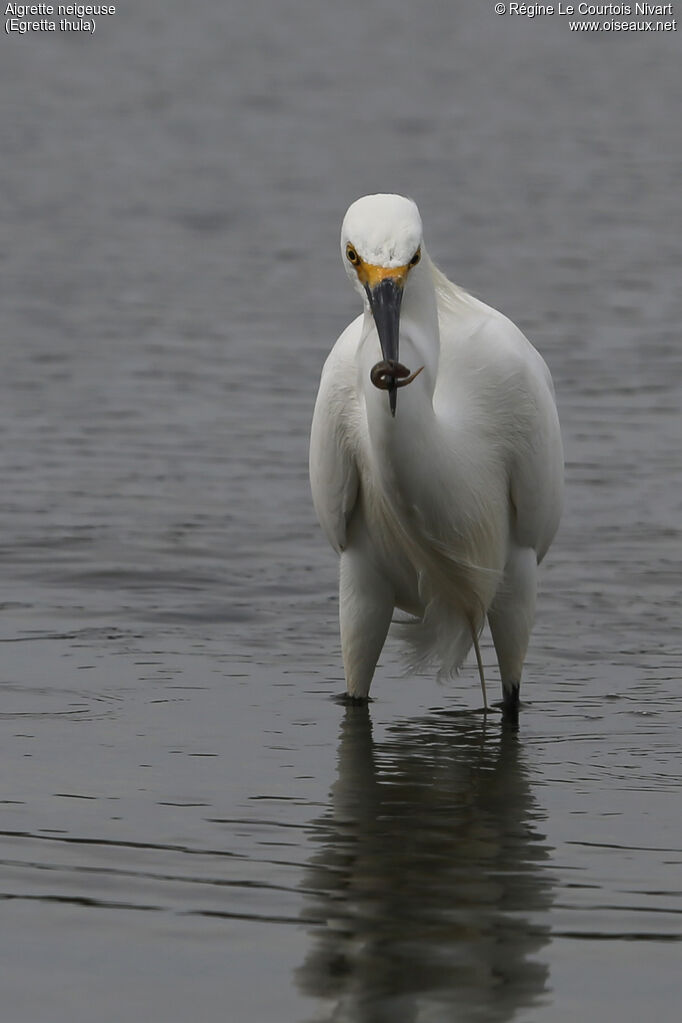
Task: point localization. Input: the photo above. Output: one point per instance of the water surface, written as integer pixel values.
(191, 826)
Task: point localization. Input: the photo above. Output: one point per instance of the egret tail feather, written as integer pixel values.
(441, 639)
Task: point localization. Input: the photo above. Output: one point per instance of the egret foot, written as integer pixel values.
(510, 703)
(346, 700)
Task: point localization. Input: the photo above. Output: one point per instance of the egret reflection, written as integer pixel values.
(430, 887)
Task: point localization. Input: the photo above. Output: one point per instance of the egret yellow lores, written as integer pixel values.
(436, 462)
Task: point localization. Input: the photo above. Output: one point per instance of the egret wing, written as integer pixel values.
(334, 474)
(536, 479)
(487, 354)
(537, 463)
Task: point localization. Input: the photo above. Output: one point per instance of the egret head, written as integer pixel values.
(381, 240)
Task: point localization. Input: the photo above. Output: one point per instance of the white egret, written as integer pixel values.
(442, 503)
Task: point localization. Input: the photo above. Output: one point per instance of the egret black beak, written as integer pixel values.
(384, 300)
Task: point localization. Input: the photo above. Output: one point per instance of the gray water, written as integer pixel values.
(192, 828)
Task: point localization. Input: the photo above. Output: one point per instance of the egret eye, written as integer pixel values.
(352, 256)
(415, 259)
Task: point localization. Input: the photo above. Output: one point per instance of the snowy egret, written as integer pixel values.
(441, 503)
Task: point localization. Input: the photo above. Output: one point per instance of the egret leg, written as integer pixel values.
(511, 620)
(366, 603)
(481, 674)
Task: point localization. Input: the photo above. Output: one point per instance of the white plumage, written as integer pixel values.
(445, 508)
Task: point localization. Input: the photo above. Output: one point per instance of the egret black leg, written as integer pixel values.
(511, 619)
(511, 702)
